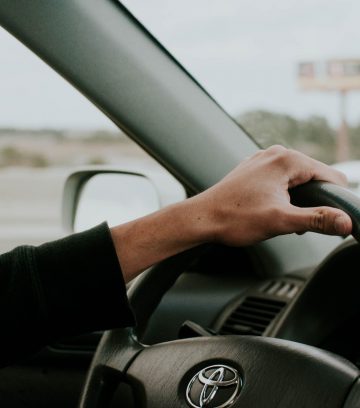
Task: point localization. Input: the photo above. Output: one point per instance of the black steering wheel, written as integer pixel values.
(222, 371)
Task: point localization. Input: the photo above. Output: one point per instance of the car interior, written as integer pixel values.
(283, 312)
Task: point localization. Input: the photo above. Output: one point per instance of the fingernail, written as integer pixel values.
(341, 223)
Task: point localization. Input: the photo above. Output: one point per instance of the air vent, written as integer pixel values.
(281, 288)
(253, 316)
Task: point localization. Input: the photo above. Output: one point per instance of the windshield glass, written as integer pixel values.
(287, 71)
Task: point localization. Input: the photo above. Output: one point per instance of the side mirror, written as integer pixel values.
(93, 196)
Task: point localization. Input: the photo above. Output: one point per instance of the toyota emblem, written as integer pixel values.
(216, 386)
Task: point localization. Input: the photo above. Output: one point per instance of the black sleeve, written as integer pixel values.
(66, 287)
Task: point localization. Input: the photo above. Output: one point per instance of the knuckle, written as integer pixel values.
(277, 150)
(280, 155)
(294, 154)
(317, 221)
(342, 177)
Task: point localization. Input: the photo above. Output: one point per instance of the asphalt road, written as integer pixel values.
(30, 206)
(31, 200)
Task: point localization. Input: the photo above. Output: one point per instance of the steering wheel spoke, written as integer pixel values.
(116, 350)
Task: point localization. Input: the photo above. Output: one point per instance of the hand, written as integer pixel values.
(252, 203)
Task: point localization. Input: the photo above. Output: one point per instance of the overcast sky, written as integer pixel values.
(245, 52)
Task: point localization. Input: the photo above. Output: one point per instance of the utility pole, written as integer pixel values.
(342, 76)
(342, 140)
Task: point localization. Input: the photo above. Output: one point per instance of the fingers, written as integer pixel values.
(326, 220)
(323, 172)
(301, 168)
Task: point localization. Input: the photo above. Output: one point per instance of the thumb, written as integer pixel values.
(326, 220)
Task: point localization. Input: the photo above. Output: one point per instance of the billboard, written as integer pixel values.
(332, 75)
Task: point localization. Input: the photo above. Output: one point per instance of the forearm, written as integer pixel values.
(148, 240)
(234, 211)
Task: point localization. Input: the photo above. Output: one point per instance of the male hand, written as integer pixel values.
(252, 202)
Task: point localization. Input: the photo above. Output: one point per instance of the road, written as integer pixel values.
(30, 206)
(31, 200)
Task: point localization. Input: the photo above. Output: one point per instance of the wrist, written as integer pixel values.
(203, 220)
(148, 240)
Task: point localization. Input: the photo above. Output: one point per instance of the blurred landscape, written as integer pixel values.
(35, 163)
(56, 148)
(313, 136)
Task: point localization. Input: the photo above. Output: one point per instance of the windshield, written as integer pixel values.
(287, 71)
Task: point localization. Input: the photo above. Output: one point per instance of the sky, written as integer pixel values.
(244, 52)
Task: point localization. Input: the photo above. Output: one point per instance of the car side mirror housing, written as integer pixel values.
(93, 196)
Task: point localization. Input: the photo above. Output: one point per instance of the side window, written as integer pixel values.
(47, 131)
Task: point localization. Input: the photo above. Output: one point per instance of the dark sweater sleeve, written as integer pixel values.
(66, 287)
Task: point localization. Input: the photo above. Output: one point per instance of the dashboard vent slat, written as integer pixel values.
(281, 288)
(248, 309)
(245, 322)
(253, 316)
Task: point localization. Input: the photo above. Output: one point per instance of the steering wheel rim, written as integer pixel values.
(120, 354)
(320, 193)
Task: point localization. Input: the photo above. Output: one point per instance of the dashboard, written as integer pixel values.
(307, 293)
(225, 292)
(235, 291)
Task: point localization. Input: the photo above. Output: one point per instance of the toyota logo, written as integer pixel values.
(216, 386)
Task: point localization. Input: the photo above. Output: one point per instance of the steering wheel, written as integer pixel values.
(222, 371)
